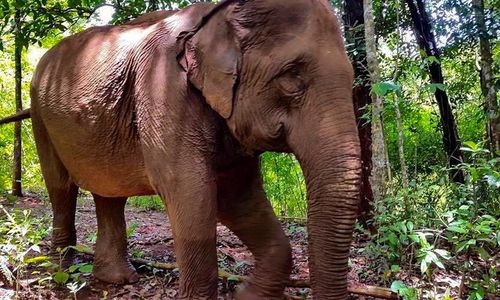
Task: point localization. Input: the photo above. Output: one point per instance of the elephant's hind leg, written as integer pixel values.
(62, 193)
(245, 210)
(111, 262)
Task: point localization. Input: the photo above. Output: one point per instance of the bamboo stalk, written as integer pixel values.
(353, 288)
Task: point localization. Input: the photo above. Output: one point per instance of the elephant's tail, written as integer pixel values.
(24, 114)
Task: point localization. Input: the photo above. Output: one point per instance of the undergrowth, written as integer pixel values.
(437, 224)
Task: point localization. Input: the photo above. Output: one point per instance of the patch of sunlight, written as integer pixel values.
(34, 55)
(102, 16)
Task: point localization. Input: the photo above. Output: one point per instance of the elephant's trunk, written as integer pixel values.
(329, 155)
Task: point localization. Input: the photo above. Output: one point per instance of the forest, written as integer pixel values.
(426, 103)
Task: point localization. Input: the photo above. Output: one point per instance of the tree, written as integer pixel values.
(16, 180)
(487, 85)
(427, 42)
(397, 93)
(379, 157)
(355, 40)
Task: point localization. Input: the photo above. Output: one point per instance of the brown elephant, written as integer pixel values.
(181, 104)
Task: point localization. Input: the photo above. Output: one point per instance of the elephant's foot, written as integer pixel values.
(248, 292)
(115, 272)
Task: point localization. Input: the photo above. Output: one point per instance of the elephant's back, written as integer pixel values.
(85, 93)
(81, 94)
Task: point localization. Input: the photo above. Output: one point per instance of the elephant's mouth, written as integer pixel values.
(279, 140)
(256, 144)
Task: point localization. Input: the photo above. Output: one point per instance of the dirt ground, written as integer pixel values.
(151, 239)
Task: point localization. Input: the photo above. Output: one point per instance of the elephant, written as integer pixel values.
(181, 104)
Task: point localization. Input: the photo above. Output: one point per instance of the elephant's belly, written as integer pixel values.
(99, 165)
(114, 179)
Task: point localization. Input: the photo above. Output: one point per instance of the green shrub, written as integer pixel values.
(147, 202)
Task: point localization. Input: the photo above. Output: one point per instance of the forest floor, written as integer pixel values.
(150, 238)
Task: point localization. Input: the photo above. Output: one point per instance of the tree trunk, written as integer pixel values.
(401, 149)
(487, 85)
(16, 181)
(399, 121)
(356, 46)
(427, 42)
(378, 177)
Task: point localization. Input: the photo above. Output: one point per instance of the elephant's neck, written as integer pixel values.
(229, 152)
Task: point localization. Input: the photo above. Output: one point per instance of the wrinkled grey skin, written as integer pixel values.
(180, 104)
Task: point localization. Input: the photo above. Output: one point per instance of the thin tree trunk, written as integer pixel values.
(356, 46)
(399, 121)
(401, 148)
(427, 42)
(487, 85)
(16, 181)
(378, 147)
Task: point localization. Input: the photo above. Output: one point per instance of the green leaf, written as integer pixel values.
(432, 60)
(47, 264)
(397, 286)
(471, 145)
(437, 261)
(80, 248)
(409, 225)
(37, 259)
(443, 253)
(424, 265)
(60, 277)
(440, 86)
(462, 246)
(483, 254)
(414, 238)
(87, 268)
(395, 268)
(456, 229)
(383, 88)
(433, 87)
(73, 268)
(493, 181)
(393, 239)
(233, 278)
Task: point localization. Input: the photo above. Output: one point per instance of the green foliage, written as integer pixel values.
(284, 184)
(131, 229)
(20, 234)
(405, 292)
(469, 233)
(427, 254)
(32, 20)
(147, 202)
(435, 224)
(32, 175)
(383, 88)
(128, 9)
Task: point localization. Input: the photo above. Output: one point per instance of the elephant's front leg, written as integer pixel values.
(244, 208)
(191, 202)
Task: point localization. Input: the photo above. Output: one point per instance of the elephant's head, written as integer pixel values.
(278, 73)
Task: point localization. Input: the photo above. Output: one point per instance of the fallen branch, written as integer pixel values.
(21, 115)
(354, 288)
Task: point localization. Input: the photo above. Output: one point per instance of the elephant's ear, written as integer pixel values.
(211, 58)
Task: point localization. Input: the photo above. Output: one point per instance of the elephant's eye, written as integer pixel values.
(291, 83)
